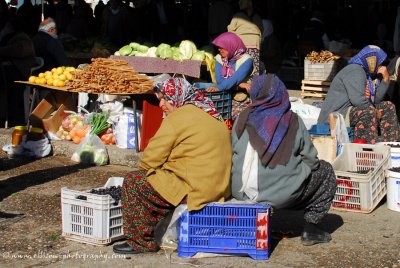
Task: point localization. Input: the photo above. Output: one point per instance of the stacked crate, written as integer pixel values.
(317, 78)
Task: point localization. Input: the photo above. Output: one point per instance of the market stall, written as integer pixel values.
(102, 76)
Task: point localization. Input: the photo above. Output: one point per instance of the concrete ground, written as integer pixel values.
(358, 239)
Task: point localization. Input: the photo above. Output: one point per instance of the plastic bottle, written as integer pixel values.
(17, 134)
(35, 134)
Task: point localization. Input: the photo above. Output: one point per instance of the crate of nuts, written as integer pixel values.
(320, 66)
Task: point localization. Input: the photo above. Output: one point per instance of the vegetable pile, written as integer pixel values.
(98, 123)
(186, 50)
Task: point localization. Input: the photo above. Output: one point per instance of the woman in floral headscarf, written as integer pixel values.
(233, 68)
(359, 89)
(176, 165)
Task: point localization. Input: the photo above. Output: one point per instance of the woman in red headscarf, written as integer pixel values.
(233, 68)
(176, 165)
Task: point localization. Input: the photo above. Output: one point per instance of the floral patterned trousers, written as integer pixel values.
(375, 123)
(142, 209)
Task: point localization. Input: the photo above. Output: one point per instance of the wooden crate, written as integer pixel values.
(314, 88)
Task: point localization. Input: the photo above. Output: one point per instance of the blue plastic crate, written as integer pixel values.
(324, 130)
(222, 99)
(320, 130)
(226, 228)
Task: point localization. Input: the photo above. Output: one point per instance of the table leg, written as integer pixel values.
(136, 124)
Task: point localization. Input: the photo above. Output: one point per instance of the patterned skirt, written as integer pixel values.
(375, 124)
(142, 209)
(255, 54)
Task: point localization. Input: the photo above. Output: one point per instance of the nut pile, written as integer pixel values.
(321, 57)
(109, 76)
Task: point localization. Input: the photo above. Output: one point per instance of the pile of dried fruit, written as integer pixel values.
(109, 76)
(321, 57)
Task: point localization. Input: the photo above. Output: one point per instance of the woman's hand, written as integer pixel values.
(212, 89)
(384, 72)
(245, 86)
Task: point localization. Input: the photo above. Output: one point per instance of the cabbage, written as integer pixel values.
(199, 55)
(152, 52)
(140, 54)
(161, 47)
(125, 50)
(116, 53)
(134, 45)
(166, 52)
(133, 53)
(142, 48)
(187, 49)
(176, 54)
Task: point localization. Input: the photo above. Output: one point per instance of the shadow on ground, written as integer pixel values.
(7, 163)
(18, 183)
(289, 223)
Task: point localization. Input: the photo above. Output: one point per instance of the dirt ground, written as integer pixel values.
(30, 227)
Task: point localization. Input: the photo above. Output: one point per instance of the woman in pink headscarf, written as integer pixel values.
(233, 68)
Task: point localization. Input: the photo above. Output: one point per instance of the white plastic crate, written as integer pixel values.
(96, 220)
(360, 192)
(320, 71)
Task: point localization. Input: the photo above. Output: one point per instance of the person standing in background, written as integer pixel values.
(220, 14)
(271, 51)
(17, 57)
(315, 32)
(247, 25)
(115, 23)
(48, 46)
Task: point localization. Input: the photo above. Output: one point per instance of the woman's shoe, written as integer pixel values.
(125, 248)
(312, 235)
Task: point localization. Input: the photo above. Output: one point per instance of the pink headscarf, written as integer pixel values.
(235, 47)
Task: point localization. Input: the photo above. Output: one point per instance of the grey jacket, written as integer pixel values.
(281, 186)
(348, 89)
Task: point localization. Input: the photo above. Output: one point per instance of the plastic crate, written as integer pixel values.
(226, 228)
(324, 130)
(360, 192)
(222, 101)
(96, 220)
(320, 71)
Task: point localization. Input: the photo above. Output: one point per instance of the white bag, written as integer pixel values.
(40, 148)
(340, 132)
(250, 173)
(124, 131)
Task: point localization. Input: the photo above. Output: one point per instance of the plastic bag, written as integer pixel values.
(114, 109)
(169, 238)
(340, 131)
(124, 131)
(40, 148)
(91, 151)
(307, 112)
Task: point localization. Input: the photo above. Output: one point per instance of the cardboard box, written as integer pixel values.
(48, 114)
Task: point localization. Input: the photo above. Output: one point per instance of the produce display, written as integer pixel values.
(73, 126)
(366, 171)
(114, 191)
(186, 50)
(321, 57)
(109, 76)
(56, 77)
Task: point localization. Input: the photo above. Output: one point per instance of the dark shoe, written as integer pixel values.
(125, 248)
(316, 237)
